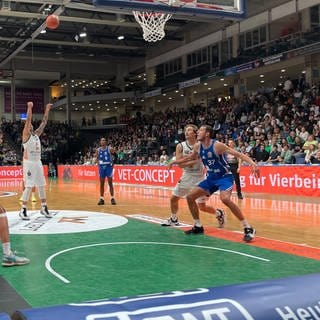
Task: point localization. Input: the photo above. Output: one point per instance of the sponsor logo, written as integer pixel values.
(63, 221)
(310, 312)
(7, 194)
(219, 309)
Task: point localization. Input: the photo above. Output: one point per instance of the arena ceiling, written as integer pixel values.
(21, 23)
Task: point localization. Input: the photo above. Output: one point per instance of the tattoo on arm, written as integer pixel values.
(42, 125)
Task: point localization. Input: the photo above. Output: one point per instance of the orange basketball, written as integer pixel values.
(52, 21)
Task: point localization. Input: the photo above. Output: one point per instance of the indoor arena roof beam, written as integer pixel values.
(25, 43)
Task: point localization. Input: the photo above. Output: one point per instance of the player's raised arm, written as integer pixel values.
(27, 125)
(44, 121)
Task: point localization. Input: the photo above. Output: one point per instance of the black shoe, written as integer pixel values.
(44, 210)
(113, 202)
(248, 234)
(240, 196)
(195, 230)
(23, 214)
(101, 202)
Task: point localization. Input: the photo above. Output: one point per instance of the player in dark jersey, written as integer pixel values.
(219, 177)
(104, 159)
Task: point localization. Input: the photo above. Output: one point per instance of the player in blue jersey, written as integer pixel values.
(104, 159)
(219, 177)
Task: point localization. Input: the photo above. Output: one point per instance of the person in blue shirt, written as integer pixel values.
(219, 177)
(104, 159)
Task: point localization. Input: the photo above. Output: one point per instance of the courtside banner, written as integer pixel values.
(137, 175)
(291, 179)
(302, 180)
(15, 172)
(4, 316)
(295, 298)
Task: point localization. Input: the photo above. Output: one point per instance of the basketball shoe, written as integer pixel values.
(221, 217)
(13, 260)
(195, 230)
(23, 214)
(248, 234)
(101, 202)
(44, 210)
(171, 222)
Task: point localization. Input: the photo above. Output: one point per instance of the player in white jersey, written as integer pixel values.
(33, 174)
(193, 173)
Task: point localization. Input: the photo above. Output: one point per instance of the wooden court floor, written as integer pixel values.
(140, 257)
(293, 219)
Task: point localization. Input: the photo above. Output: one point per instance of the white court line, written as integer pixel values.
(63, 279)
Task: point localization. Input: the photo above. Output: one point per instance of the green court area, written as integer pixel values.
(139, 258)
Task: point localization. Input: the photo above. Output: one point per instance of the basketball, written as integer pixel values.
(52, 21)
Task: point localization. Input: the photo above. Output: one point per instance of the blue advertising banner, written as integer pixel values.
(291, 298)
(4, 316)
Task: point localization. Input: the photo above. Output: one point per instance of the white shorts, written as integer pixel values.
(186, 184)
(33, 174)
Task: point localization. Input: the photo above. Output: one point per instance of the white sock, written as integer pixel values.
(6, 248)
(173, 216)
(197, 223)
(245, 224)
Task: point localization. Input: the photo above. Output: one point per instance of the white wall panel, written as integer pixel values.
(188, 48)
(255, 21)
(283, 10)
(303, 4)
(232, 30)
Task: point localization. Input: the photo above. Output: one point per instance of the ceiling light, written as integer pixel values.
(83, 33)
(120, 37)
(43, 31)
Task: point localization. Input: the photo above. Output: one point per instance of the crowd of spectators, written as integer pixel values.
(276, 127)
(280, 126)
(58, 140)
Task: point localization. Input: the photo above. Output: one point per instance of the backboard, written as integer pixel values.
(209, 9)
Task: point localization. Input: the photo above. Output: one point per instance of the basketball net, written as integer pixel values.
(152, 24)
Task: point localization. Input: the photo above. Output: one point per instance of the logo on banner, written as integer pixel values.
(7, 194)
(63, 221)
(220, 309)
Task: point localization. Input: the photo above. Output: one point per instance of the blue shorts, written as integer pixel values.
(105, 171)
(212, 184)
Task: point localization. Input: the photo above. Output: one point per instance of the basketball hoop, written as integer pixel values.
(152, 24)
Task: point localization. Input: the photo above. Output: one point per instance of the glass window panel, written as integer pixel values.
(242, 42)
(263, 34)
(248, 40)
(255, 37)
